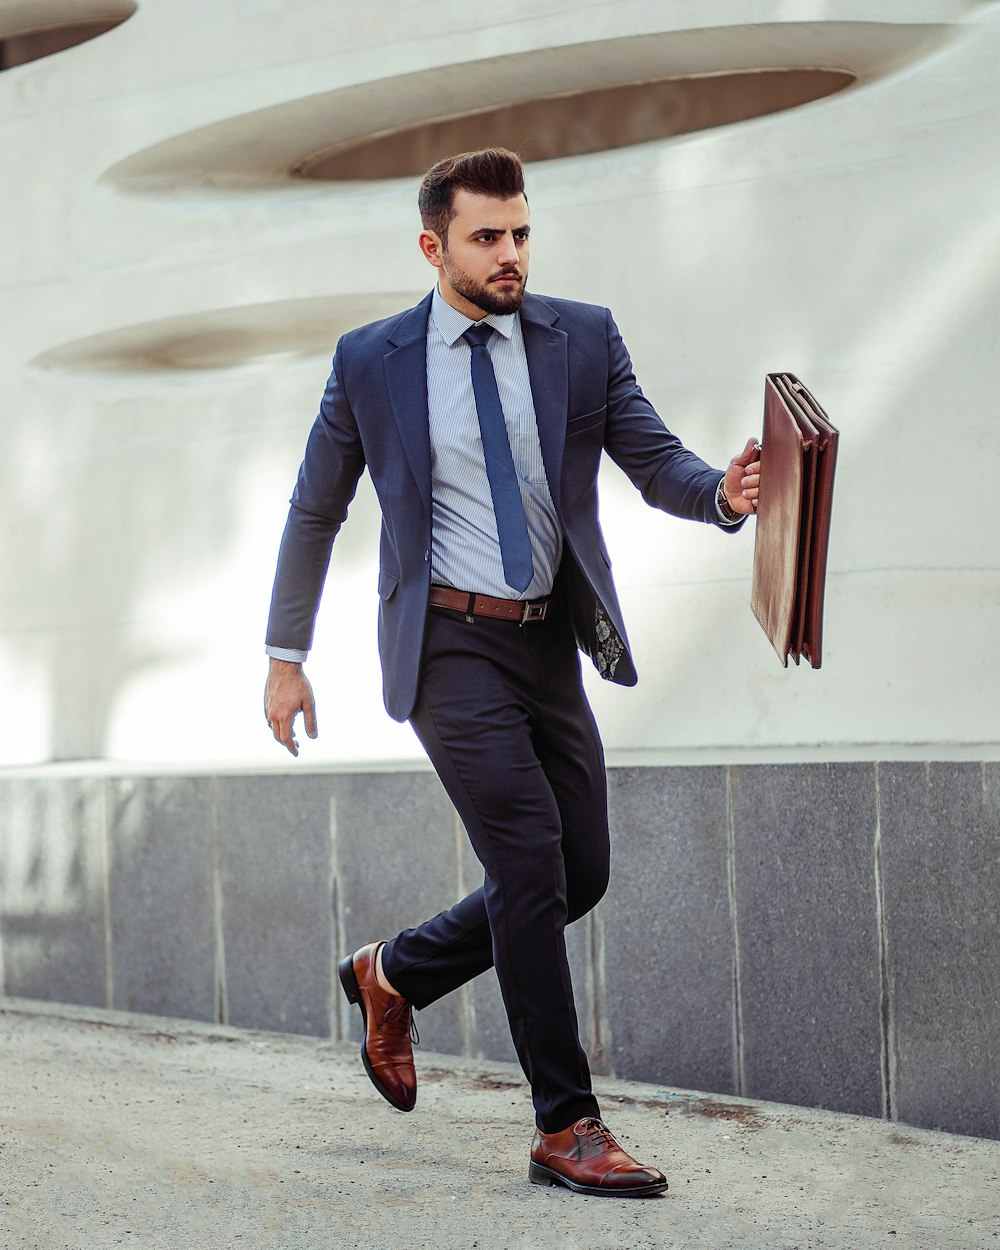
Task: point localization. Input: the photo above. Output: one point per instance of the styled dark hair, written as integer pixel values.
(495, 172)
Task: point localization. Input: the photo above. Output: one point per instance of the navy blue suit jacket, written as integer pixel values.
(374, 414)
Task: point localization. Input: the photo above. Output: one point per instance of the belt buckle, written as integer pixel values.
(534, 612)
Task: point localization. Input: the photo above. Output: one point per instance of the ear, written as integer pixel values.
(432, 249)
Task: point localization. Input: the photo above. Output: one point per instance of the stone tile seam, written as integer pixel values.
(105, 858)
(466, 999)
(590, 1037)
(218, 912)
(739, 1063)
(338, 936)
(603, 1041)
(886, 1016)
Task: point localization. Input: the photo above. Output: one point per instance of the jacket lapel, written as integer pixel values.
(546, 352)
(406, 379)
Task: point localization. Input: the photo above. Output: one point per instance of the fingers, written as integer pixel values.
(283, 730)
(288, 693)
(749, 481)
(748, 454)
(750, 484)
(282, 727)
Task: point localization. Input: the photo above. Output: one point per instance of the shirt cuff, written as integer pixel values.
(290, 654)
(723, 519)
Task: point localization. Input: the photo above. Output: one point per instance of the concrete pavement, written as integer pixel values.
(129, 1130)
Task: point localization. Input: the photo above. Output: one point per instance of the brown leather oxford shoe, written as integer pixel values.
(386, 1048)
(586, 1158)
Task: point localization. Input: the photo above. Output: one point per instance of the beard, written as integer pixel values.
(499, 300)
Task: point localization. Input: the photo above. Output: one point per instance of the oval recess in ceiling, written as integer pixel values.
(226, 338)
(579, 122)
(29, 32)
(544, 100)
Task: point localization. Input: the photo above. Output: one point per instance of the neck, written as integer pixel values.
(459, 302)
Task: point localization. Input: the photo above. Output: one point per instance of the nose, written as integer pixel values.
(507, 254)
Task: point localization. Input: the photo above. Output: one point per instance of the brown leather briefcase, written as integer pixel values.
(793, 519)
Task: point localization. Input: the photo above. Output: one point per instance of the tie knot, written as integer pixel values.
(478, 335)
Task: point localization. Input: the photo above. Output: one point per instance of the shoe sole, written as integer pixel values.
(349, 981)
(538, 1174)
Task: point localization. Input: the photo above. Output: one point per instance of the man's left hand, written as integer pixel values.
(743, 479)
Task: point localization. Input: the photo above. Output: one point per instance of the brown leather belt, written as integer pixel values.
(485, 605)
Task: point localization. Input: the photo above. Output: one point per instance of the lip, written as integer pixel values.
(508, 279)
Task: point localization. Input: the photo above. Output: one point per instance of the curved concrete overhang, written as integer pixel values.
(550, 102)
(225, 338)
(579, 122)
(32, 29)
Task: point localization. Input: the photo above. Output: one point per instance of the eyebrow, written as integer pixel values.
(525, 229)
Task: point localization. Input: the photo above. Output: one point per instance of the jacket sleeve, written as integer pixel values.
(328, 478)
(669, 476)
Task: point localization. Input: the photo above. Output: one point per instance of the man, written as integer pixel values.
(482, 415)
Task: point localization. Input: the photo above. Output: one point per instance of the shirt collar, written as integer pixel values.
(451, 324)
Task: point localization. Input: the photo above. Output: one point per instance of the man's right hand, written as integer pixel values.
(287, 693)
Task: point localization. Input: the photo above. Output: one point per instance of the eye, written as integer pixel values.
(521, 236)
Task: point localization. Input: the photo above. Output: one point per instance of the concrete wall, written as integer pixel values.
(822, 934)
(171, 294)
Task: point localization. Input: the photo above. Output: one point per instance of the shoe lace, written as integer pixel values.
(399, 1017)
(597, 1132)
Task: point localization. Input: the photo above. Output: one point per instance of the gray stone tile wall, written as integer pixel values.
(397, 865)
(161, 898)
(808, 932)
(668, 940)
(823, 934)
(940, 828)
(52, 889)
(276, 885)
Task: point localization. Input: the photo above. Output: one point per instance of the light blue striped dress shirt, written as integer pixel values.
(465, 549)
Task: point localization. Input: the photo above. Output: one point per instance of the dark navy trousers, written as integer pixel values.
(504, 719)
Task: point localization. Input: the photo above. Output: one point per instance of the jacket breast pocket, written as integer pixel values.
(585, 421)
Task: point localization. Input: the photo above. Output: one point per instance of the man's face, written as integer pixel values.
(484, 265)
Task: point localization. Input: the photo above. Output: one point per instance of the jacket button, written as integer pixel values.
(427, 556)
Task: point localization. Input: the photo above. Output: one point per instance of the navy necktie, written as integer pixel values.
(512, 528)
